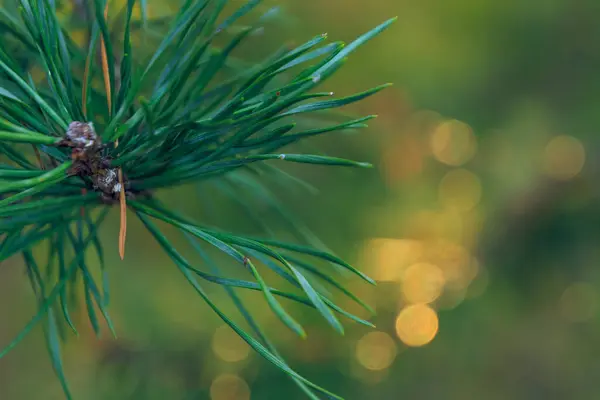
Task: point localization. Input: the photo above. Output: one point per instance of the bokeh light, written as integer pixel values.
(376, 351)
(564, 157)
(453, 143)
(390, 257)
(229, 387)
(579, 302)
(460, 190)
(228, 345)
(459, 267)
(422, 283)
(417, 325)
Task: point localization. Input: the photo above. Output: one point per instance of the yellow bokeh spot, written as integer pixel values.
(469, 271)
(423, 283)
(376, 351)
(460, 190)
(579, 302)
(229, 387)
(390, 257)
(453, 143)
(459, 267)
(417, 325)
(564, 157)
(228, 345)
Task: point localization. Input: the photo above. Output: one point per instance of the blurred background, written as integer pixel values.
(480, 224)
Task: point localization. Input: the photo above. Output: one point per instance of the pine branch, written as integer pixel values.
(186, 112)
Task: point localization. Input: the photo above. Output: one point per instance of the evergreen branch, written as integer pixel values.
(185, 111)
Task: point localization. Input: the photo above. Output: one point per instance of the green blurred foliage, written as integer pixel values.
(512, 186)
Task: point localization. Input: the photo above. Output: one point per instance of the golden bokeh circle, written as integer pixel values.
(228, 345)
(376, 351)
(390, 257)
(453, 143)
(229, 387)
(423, 283)
(458, 265)
(417, 325)
(564, 157)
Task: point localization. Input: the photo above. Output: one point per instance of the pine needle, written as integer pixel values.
(123, 226)
(105, 72)
(84, 86)
(122, 198)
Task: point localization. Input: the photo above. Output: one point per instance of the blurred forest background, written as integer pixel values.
(480, 224)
